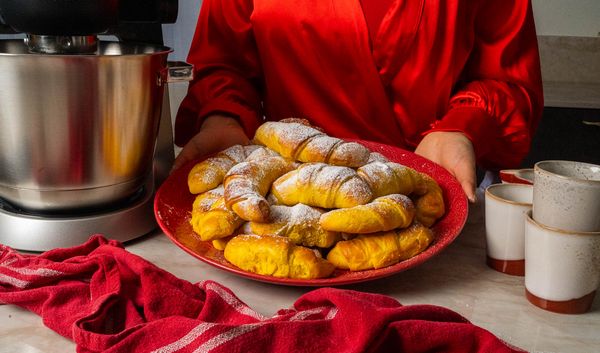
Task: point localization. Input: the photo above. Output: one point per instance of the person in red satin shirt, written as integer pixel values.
(457, 81)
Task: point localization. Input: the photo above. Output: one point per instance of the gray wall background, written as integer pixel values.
(179, 35)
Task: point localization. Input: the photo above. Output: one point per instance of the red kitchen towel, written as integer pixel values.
(107, 299)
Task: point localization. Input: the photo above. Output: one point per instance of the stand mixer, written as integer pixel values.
(85, 125)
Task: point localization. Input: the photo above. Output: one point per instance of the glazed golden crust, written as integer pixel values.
(430, 206)
(209, 173)
(210, 217)
(373, 251)
(299, 223)
(386, 178)
(321, 185)
(276, 256)
(247, 184)
(382, 214)
(304, 143)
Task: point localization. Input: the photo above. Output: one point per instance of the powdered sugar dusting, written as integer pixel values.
(239, 183)
(318, 149)
(294, 133)
(400, 199)
(284, 138)
(336, 182)
(264, 239)
(358, 190)
(375, 173)
(307, 144)
(350, 154)
(377, 157)
(298, 214)
(236, 153)
(207, 199)
(208, 175)
(248, 149)
(261, 153)
(389, 177)
(280, 214)
(211, 171)
(302, 214)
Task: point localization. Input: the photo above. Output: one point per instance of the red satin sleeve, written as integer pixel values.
(227, 72)
(499, 103)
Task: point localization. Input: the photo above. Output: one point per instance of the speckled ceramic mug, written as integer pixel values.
(566, 195)
(505, 207)
(562, 268)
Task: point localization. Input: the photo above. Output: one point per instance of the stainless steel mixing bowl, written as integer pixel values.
(78, 131)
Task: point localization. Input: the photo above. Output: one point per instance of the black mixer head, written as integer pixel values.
(82, 17)
(60, 17)
(72, 26)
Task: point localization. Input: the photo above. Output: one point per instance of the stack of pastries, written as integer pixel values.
(298, 203)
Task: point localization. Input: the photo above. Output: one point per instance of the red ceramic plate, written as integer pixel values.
(173, 204)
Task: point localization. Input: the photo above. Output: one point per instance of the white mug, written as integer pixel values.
(562, 268)
(566, 195)
(505, 207)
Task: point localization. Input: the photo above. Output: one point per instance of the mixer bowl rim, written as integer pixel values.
(155, 49)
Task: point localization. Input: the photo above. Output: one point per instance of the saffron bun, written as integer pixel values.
(322, 185)
(246, 184)
(386, 178)
(373, 251)
(430, 206)
(382, 214)
(299, 223)
(209, 173)
(276, 256)
(305, 143)
(211, 219)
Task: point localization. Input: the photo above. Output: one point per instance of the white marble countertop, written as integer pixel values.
(457, 279)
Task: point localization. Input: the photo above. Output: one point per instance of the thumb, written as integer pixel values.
(465, 174)
(182, 158)
(192, 150)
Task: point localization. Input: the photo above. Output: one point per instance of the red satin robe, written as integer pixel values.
(453, 65)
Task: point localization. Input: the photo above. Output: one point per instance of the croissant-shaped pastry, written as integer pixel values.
(382, 214)
(247, 184)
(299, 223)
(209, 173)
(204, 201)
(215, 222)
(392, 178)
(306, 144)
(430, 206)
(276, 256)
(372, 251)
(260, 153)
(322, 185)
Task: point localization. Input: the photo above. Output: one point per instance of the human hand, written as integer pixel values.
(453, 151)
(216, 134)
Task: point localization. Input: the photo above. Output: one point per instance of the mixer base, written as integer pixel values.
(38, 233)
